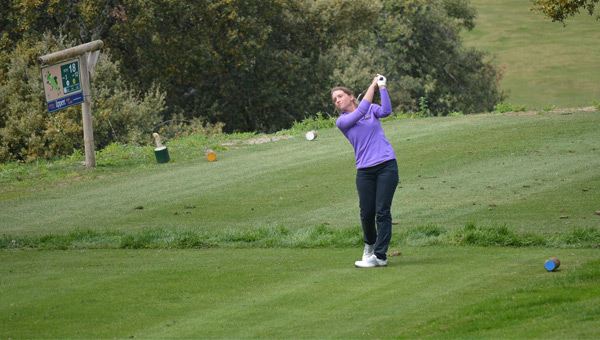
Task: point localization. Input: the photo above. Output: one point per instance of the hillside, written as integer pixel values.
(546, 64)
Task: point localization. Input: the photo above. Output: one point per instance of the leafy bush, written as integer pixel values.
(315, 122)
(179, 126)
(423, 110)
(505, 107)
(119, 114)
(27, 131)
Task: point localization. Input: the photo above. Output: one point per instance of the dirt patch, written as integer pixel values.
(557, 111)
(257, 140)
(267, 139)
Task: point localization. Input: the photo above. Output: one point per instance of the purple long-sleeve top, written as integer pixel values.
(363, 129)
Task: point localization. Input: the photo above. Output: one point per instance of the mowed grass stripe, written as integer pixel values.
(292, 293)
(452, 171)
(489, 162)
(258, 174)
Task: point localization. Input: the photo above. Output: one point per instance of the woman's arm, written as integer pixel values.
(344, 122)
(371, 91)
(386, 104)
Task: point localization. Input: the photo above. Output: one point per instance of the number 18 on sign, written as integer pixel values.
(62, 85)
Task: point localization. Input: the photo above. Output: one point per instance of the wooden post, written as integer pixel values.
(70, 52)
(85, 52)
(86, 112)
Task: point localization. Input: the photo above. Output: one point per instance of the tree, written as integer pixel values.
(261, 65)
(255, 65)
(417, 44)
(560, 10)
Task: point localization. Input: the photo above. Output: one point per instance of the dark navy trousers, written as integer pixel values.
(376, 187)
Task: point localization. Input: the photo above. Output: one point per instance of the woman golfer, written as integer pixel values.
(377, 170)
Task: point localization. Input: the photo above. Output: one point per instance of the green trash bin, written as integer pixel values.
(162, 154)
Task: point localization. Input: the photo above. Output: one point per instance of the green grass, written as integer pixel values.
(316, 237)
(524, 172)
(546, 63)
(261, 243)
(428, 292)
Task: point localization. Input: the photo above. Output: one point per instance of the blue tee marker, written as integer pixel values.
(552, 264)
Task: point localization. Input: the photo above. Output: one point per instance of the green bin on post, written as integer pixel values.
(161, 152)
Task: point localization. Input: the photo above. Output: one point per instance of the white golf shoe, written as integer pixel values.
(369, 250)
(370, 262)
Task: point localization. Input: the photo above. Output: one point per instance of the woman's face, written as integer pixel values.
(343, 101)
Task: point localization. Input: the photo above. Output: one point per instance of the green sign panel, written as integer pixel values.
(70, 77)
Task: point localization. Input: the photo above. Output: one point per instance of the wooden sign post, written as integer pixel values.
(62, 89)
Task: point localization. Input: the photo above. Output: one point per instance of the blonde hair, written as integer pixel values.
(342, 88)
(347, 91)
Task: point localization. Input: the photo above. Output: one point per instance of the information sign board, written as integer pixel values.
(62, 85)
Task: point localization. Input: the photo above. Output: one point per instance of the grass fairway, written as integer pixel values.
(524, 172)
(261, 243)
(428, 292)
(546, 64)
